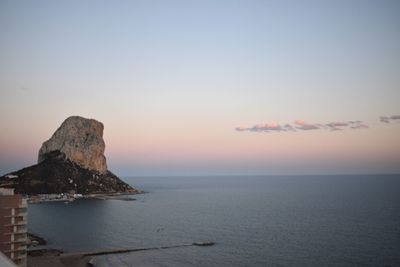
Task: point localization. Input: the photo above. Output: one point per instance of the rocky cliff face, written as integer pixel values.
(71, 160)
(81, 140)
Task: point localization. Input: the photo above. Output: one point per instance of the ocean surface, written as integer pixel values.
(254, 220)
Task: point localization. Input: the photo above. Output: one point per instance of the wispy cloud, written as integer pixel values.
(337, 124)
(384, 119)
(396, 117)
(301, 125)
(388, 119)
(289, 127)
(241, 129)
(359, 126)
(272, 126)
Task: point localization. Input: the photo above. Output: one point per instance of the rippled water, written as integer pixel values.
(255, 221)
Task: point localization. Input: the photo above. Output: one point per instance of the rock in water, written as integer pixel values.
(71, 160)
(81, 140)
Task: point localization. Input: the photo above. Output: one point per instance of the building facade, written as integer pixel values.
(13, 226)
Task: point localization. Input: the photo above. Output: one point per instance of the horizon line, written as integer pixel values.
(238, 175)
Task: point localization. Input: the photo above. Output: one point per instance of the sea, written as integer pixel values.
(336, 220)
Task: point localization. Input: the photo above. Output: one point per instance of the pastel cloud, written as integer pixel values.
(241, 129)
(337, 126)
(272, 126)
(384, 119)
(359, 126)
(304, 126)
(289, 127)
(387, 119)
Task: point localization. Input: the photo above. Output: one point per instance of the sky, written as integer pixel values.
(206, 87)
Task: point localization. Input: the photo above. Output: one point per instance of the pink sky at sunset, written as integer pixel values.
(206, 88)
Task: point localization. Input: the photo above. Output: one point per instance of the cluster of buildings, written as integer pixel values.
(13, 228)
(70, 196)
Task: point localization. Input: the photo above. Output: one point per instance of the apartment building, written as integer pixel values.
(13, 226)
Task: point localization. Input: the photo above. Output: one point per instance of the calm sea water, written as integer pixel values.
(255, 221)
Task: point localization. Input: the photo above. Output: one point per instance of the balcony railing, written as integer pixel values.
(23, 231)
(20, 257)
(23, 205)
(15, 215)
(21, 222)
(19, 249)
(19, 241)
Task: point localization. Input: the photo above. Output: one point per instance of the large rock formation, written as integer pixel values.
(81, 140)
(71, 160)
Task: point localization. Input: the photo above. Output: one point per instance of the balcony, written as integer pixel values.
(21, 211)
(22, 240)
(22, 205)
(19, 235)
(15, 215)
(21, 229)
(16, 223)
(20, 257)
(19, 249)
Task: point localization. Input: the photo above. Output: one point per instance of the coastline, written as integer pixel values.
(66, 197)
